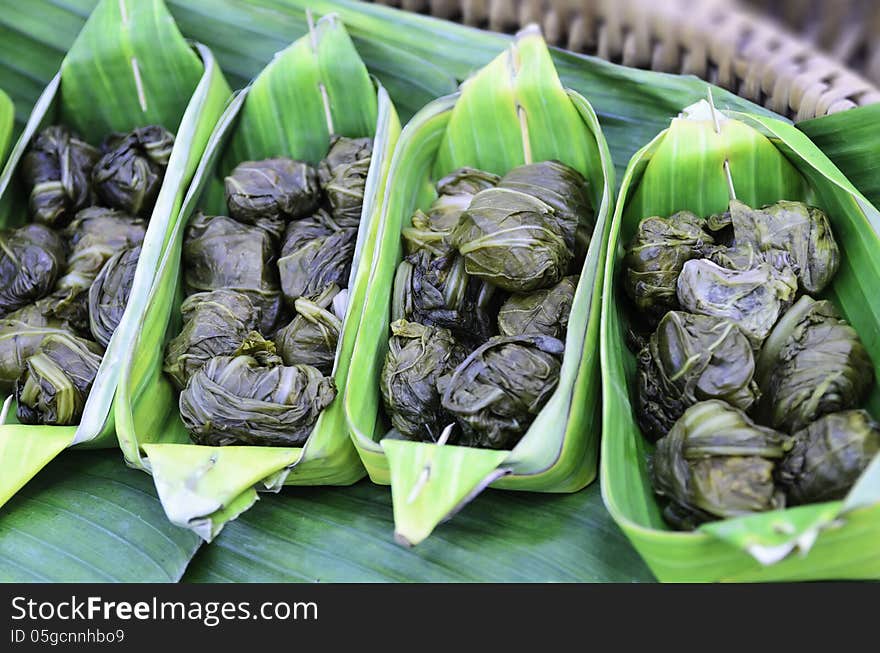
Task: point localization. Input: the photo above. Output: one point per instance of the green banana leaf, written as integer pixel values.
(7, 116)
(418, 58)
(683, 168)
(248, 34)
(534, 119)
(632, 105)
(283, 111)
(503, 537)
(89, 519)
(115, 79)
(850, 140)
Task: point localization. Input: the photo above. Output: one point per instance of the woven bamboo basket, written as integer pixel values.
(720, 41)
(847, 29)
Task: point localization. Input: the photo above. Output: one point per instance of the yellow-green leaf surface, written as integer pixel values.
(115, 79)
(532, 118)
(462, 474)
(28, 449)
(314, 88)
(683, 169)
(7, 117)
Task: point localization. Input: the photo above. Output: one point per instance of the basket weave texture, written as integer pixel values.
(847, 29)
(720, 41)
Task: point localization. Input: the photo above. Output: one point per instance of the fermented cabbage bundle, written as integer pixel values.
(481, 303)
(746, 354)
(267, 298)
(65, 279)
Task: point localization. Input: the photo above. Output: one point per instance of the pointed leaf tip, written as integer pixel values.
(202, 488)
(25, 450)
(702, 111)
(530, 30)
(400, 539)
(430, 482)
(773, 536)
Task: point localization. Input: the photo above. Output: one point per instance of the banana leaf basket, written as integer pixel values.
(533, 118)
(683, 168)
(114, 78)
(315, 88)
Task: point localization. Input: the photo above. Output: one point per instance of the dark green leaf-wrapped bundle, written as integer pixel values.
(466, 182)
(310, 262)
(431, 286)
(299, 233)
(741, 344)
(417, 357)
(497, 391)
(655, 256)
(812, 364)
(109, 293)
(544, 312)
(129, 175)
(64, 285)
(717, 463)
(425, 235)
(312, 335)
(432, 230)
(786, 235)
(512, 240)
(31, 257)
(753, 299)
(490, 254)
(422, 237)
(272, 192)
(21, 334)
(57, 380)
(804, 233)
(438, 292)
(236, 400)
(691, 358)
(215, 323)
(562, 188)
(343, 177)
(221, 253)
(289, 244)
(828, 456)
(57, 171)
(95, 235)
